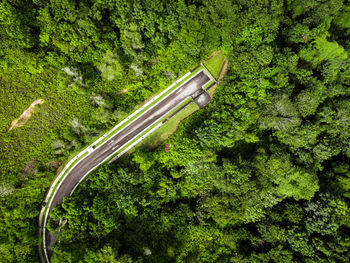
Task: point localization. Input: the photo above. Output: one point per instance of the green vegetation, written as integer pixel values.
(161, 134)
(150, 105)
(215, 63)
(262, 174)
(143, 133)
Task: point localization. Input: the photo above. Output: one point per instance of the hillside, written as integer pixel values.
(261, 174)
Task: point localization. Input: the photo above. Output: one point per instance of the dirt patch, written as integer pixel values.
(167, 147)
(21, 120)
(154, 61)
(28, 169)
(55, 165)
(123, 91)
(150, 98)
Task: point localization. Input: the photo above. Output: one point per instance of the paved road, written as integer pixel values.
(124, 136)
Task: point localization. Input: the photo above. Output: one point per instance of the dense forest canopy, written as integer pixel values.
(262, 174)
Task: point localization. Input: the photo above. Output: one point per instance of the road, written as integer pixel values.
(124, 136)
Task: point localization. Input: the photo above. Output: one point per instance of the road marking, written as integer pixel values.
(208, 73)
(65, 172)
(110, 142)
(115, 147)
(74, 188)
(146, 105)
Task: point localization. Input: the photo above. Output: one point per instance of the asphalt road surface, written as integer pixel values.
(122, 137)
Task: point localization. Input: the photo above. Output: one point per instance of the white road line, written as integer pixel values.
(178, 90)
(133, 144)
(179, 80)
(74, 188)
(140, 139)
(208, 73)
(144, 106)
(115, 147)
(63, 172)
(117, 126)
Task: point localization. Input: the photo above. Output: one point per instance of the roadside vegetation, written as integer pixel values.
(215, 62)
(262, 174)
(161, 134)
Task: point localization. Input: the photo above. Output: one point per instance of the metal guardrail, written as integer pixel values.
(60, 178)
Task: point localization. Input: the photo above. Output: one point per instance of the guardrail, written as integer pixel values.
(100, 142)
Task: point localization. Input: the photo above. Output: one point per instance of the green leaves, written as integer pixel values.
(280, 115)
(243, 178)
(109, 66)
(323, 50)
(290, 180)
(253, 35)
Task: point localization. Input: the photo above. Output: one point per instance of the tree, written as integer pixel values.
(110, 66)
(290, 180)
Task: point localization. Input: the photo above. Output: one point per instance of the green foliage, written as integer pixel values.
(109, 66)
(291, 181)
(260, 175)
(215, 63)
(323, 50)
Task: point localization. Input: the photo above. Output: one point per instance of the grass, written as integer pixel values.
(146, 108)
(161, 134)
(125, 124)
(158, 136)
(150, 128)
(154, 139)
(214, 63)
(211, 91)
(208, 84)
(33, 141)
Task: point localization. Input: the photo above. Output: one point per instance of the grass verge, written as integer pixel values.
(149, 106)
(214, 63)
(166, 129)
(161, 134)
(170, 113)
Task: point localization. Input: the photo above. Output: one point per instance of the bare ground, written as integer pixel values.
(21, 120)
(55, 165)
(145, 102)
(28, 169)
(123, 91)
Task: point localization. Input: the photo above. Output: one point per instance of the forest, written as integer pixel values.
(262, 174)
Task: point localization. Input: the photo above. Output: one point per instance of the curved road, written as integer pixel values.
(98, 155)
